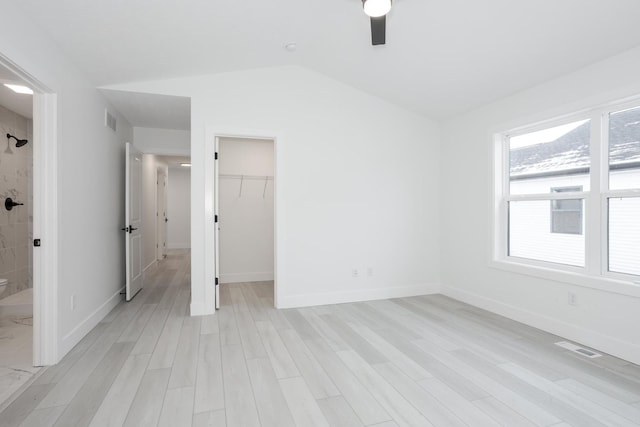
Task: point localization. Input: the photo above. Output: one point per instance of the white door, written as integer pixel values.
(133, 220)
(216, 225)
(162, 219)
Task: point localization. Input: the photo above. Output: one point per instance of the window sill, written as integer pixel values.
(606, 284)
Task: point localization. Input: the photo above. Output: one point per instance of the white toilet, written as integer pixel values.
(3, 285)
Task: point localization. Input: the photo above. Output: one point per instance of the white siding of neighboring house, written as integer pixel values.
(530, 224)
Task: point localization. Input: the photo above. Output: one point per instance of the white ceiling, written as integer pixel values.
(442, 57)
(174, 161)
(18, 103)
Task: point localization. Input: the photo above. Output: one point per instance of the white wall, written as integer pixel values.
(150, 166)
(604, 320)
(90, 181)
(246, 210)
(162, 141)
(357, 183)
(179, 208)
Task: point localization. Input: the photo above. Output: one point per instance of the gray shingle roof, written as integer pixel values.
(569, 154)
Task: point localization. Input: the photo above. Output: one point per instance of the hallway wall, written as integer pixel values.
(179, 208)
(162, 141)
(150, 165)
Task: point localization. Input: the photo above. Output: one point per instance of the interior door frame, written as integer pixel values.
(161, 226)
(213, 133)
(45, 217)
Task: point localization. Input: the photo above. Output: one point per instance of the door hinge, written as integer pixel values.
(216, 280)
(36, 243)
(215, 218)
(216, 156)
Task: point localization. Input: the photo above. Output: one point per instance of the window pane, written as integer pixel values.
(531, 234)
(624, 149)
(624, 235)
(566, 215)
(554, 157)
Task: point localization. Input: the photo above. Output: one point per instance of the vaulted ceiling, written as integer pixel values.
(442, 57)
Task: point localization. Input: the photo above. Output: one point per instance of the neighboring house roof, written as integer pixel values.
(569, 154)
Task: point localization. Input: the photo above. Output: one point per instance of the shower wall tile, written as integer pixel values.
(7, 236)
(22, 256)
(16, 181)
(7, 260)
(22, 279)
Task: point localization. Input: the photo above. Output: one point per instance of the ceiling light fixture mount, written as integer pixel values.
(376, 8)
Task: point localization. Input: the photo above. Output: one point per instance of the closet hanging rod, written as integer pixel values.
(256, 177)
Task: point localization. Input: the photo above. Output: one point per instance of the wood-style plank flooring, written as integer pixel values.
(421, 361)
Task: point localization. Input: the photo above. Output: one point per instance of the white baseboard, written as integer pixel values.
(623, 349)
(179, 246)
(259, 276)
(151, 264)
(84, 327)
(308, 300)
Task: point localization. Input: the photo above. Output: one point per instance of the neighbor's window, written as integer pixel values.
(569, 183)
(566, 215)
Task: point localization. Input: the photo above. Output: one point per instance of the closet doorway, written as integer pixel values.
(245, 208)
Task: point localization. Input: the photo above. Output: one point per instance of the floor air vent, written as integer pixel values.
(577, 349)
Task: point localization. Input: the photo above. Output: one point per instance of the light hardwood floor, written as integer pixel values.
(417, 361)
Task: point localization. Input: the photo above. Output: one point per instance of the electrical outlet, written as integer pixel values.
(572, 299)
(355, 272)
(73, 302)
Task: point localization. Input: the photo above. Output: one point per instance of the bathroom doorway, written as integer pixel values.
(16, 234)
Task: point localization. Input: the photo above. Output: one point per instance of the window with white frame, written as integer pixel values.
(568, 194)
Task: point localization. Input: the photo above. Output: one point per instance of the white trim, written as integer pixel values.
(160, 252)
(624, 349)
(184, 245)
(200, 309)
(309, 300)
(48, 212)
(211, 133)
(258, 276)
(151, 264)
(90, 322)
